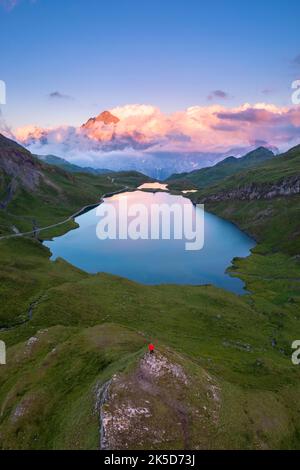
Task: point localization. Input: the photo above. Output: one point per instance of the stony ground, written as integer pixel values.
(159, 405)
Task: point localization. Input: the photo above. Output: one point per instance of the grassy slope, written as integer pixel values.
(45, 194)
(69, 193)
(285, 165)
(90, 326)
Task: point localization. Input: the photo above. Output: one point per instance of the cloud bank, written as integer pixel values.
(143, 138)
(145, 128)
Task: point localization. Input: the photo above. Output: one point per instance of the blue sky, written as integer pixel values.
(93, 55)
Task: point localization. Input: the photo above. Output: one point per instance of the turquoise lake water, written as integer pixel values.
(156, 261)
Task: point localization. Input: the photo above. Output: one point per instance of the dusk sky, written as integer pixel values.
(65, 61)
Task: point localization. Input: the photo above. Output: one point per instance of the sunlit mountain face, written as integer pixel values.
(105, 92)
(143, 138)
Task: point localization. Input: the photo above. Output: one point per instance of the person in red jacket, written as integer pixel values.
(151, 348)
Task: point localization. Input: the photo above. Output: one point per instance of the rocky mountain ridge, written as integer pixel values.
(284, 187)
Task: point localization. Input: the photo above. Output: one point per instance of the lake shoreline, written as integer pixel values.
(155, 261)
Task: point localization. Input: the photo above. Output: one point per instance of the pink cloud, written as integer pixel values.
(211, 128)
(9, 5)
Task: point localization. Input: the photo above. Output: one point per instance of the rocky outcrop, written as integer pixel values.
(19, 169)
(158, 405)
(19, 164)
(285, 187)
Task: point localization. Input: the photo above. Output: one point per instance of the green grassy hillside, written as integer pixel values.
(285, 165)
(207, 176)
(222, 376)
